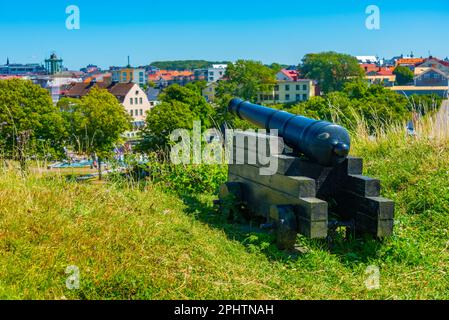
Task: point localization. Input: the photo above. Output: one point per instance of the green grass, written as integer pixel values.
(142, 243)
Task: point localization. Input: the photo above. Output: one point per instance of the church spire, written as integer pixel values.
(7, 61)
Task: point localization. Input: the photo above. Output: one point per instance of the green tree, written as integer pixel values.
(179, 107)
(404, 75)
(197, 86)
(27, 110)
(95, 123)
(161, 121)
(246, 79)
(191, 96)
(331, 69)
(375, 105)
(277, 67)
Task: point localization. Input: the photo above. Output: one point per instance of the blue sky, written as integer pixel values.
(269, 31)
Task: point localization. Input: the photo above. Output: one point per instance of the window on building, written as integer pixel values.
(298, 97)
(276, 97)
(304, 97)
(141, 101)
(136, 112)
(304, 87)
(131, 112)
(276, 88)
(287, 97)
(298, 87)
(287, 87)
(136, 100)
(141, 112)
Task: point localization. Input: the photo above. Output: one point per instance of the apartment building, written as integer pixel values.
(130, 95)
(129, 75)
(288, 89)
(216, 72)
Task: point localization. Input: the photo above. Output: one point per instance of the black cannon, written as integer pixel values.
(313, 195)
(323, 142)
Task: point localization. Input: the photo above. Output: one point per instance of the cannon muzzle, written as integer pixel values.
(323, 142)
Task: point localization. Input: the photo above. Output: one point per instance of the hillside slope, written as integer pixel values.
(131, 243)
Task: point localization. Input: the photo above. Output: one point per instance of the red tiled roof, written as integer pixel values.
(292, 74)
(169, 75)
(409, 61)
(369, 67)
(385, 72)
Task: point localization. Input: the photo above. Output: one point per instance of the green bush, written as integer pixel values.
(186, 179)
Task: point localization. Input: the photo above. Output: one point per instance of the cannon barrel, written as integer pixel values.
(323, 142)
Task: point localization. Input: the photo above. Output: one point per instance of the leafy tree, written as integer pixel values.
(277, 67)
(95, 123)
(179, 107)
(192, 97)
(197, 86)
(161, 121)
(246, 79)
(332, 70)
(27, 110)
(374, 104)
(403, 75)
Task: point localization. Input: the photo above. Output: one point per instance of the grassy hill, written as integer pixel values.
(144, 243)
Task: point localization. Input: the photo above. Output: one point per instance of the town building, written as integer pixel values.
(369, 67)
(57, 84)
(367, 59)
(91, 69)
(129, 75)
(53, 65)
(209, 93)
(216, 72)
(380, 75)
(409, 62)
(15, 69)
(153, 95)
(130, 95)
(165, 78)
(434, 63)
(289, 88)
(432, 77)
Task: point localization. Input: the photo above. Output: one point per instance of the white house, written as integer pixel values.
(216, 72)
(130, 95)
